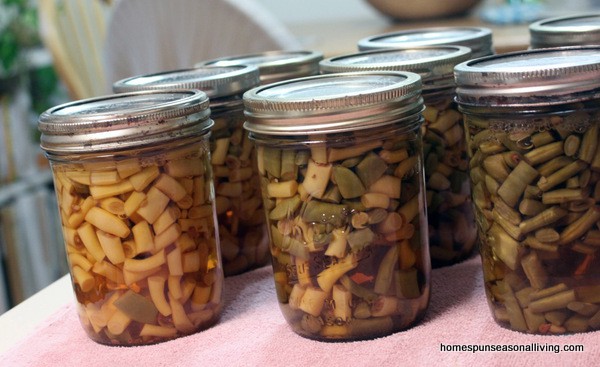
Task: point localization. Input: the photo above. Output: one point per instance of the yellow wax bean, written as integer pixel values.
(338, 154)
(219, 153)
(167, 237)
(202, 211)
(78, 216)
(190, 262)
(128, 167)
(185, 167)
(410, 209)
(313, 300)
(83, 278)
(156, 330)
(87, 234)
(105, 191)
(388, 185)
(113, 205)
(146, 264)
(174, 262)
(154, 205)
(185, 243)
(107, 222)
(201, 295)
(156, 287)
(283, 189)
(130, 277)
(174, 285)
(180, 318)
(199, 191)
(169, 216)
(142, 235)
(112, 247)
(79, 260)
(133, 202)
(144, 178)
(108, 271)
(393, 156)
(170, 187)
(82, 177)
(104, 178)
(118, 323)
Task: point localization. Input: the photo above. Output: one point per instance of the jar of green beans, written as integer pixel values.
(533, 123)
(340, 163)
(452, 232)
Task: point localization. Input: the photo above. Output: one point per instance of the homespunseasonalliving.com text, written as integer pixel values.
(532, 347)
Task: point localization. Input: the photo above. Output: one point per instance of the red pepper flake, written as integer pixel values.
(360, 278)
(585, 265)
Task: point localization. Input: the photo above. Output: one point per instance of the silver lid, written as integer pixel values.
(435, 64)
(274, 66)
(478, 39)
(215, 81)
(333, 103)
(538, 77)
(124, 121)
(582, 29)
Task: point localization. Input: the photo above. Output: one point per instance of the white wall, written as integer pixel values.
(297, 11)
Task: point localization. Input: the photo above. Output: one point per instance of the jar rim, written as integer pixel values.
(274, 66)
(575, 29)
(124, 121)
(333, 102)
(216, 81)
(532, 77)
(435, 64)
(478, 39)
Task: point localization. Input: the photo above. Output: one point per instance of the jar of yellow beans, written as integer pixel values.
(133, 181)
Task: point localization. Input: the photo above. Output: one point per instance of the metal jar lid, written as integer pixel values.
(275, 66)
(124, 121)
(435, 64)
(216, 81)
(583, 29)
(334, 103)
(540, 77)
(478, 39)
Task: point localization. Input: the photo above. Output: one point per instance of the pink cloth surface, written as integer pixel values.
(253, 332)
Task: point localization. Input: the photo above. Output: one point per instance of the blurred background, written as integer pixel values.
(48, 49)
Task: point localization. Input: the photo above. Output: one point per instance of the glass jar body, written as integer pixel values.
(452, 230)
(348, 231)
(242, 226)
(535, 175)
(142, 245)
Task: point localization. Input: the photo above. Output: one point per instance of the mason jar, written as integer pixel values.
(274, 66)
(452, 231)
(242, 227)
(478, 39)
(532, 121)
(572, 30)
(340, 163)
(133, 181)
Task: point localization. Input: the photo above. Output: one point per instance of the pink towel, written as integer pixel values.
(252, 332)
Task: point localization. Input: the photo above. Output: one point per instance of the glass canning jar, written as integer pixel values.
(132, 177)
(274, 66)
(478, 39)
(340, 162)
(452, 231)
(533, 122)
(572, 30)
(244, 239)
